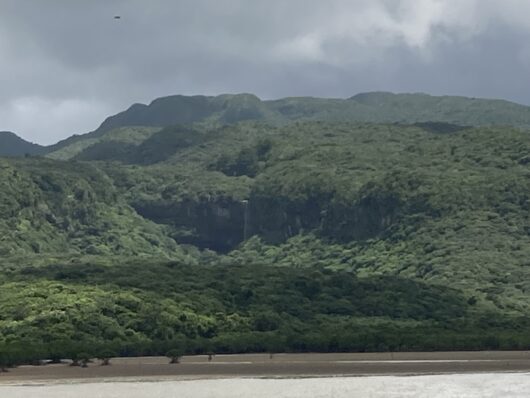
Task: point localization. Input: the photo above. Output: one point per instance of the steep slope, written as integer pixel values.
(51, 208)
(175, 110)
(179, 109)
(449, 207)
(330, 237)
(12, 145)
(398, 199)
(293, 229)
(110, 145)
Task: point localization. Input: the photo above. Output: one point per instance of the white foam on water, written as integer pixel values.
(495, 385)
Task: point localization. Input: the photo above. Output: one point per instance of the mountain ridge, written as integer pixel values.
(13, 145)
(370, 107)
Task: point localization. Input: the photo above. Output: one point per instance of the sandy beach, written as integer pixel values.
(280, 365)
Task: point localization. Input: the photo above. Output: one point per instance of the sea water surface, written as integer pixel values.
(494, 385)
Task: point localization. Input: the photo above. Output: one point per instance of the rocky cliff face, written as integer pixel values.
(217, 224)
(221, 224)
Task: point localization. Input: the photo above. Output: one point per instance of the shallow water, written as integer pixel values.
(437, 386)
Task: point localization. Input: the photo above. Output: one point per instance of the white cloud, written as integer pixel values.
(66, 65)
(368, 27)
(50, 120)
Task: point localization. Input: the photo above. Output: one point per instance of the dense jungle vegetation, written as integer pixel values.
(235, 231)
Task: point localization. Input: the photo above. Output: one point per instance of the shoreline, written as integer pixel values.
(280, 366)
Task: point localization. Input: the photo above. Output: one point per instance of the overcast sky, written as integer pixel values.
(65, 65)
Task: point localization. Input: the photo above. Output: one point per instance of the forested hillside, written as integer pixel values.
(12, 145)
(253, 236)
(375, 107)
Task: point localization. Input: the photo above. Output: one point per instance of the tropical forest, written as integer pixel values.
(231, 224)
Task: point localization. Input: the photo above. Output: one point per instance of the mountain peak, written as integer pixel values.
(12, 145)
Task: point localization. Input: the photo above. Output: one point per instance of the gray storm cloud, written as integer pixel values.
(66, 65)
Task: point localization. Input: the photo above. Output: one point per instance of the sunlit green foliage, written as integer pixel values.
(141, 307)
(359, 237)
(54, 207)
